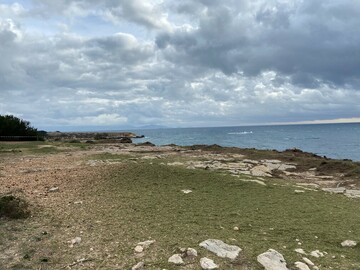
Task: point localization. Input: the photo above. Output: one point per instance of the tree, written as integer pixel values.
(14, 126)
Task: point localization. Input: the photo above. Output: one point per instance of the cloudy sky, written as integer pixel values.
(96, 64)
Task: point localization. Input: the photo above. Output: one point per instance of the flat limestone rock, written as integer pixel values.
(352, 193)
(221, 249)
(261, 170)
(272, 260)
(338, 190)
(207, 263)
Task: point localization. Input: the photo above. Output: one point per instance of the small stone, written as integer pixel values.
(75, 241)
(301, 266)
(146, 244)
(349, 243)
(207, 263)
(53, 189)
(138, 266)
(300, 251)
(176, 259)
(139, 249)
(297, 191)
(272, 260)
(317, 253)
(308, 262)
(236, 228)
(186, 191)
(191, 252)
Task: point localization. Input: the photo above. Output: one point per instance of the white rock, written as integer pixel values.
(308, 262)
(299, 191)
(191, 252)
(54, 189)
(261, 170)
(138, 266)
(272, 260)
(176, 259)
(75, 241)
(338, 190)
(301, 266)
(317, 253)
(352, 193)
(146, 244)
(186, 191)
(207, 263)
(300, 251)
(236, 228)
(139, 249)
(221, 249)
(349, 243)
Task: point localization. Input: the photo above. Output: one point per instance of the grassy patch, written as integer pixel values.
(144, 201)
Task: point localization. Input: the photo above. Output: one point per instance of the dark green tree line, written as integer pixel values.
(14, 126)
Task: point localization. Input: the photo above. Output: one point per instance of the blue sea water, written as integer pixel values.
(340, 141)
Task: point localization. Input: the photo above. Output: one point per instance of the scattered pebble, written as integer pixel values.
(317, 253)
(300, 251)
(75, 241)
(53, 189)
(139, 249)
(297, 191)
(138, 266)
(186, 191)
(308, 262)
(236, 228)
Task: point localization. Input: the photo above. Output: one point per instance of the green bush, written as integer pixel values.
(14, 126)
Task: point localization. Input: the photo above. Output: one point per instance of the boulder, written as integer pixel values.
(207, 263)
(221, 249)
(272, 260)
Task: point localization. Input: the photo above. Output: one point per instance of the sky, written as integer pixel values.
(108, 65)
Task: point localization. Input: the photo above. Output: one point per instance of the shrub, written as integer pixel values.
(13, 207)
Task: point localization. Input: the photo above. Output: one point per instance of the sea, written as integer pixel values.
(338, 141)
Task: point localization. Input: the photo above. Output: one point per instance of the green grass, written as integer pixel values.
(133, 202)
(144, 200)
(38, 147)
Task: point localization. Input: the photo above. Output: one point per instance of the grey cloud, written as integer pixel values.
(314, 42)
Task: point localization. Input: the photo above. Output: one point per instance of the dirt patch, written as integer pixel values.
(13, 207)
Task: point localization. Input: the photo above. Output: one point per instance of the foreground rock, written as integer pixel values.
(272, 260)
(221, 249)
(207, 263)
